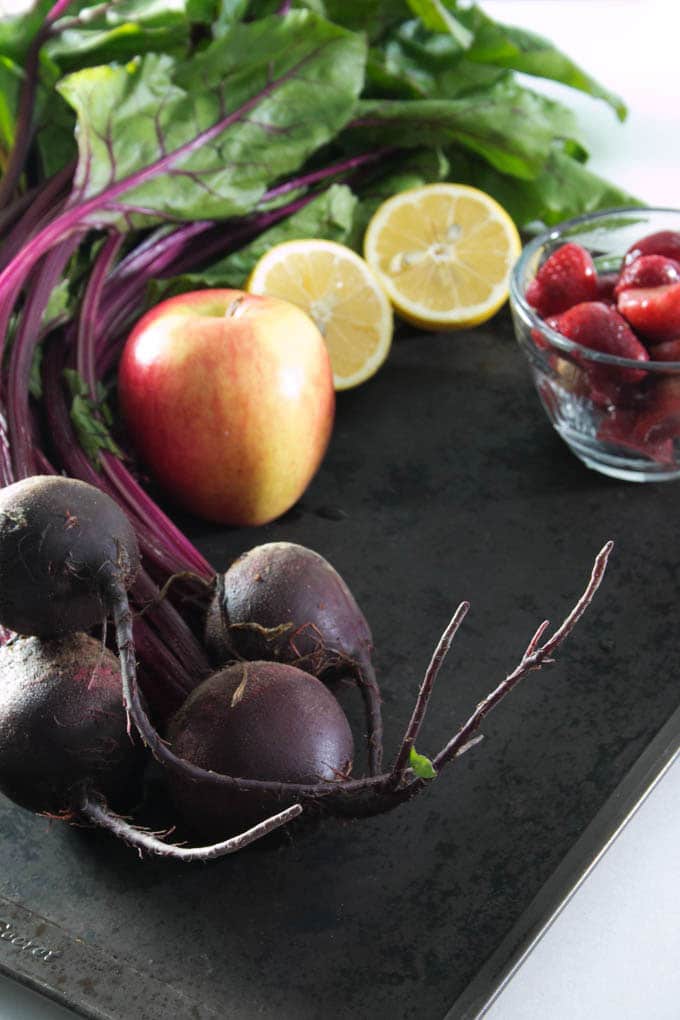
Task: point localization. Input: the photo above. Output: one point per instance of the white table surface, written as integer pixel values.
(613, 952)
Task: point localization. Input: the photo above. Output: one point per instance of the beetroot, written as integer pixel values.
(285, 603)
(256, 720)
(67, 555)
(64, 747)
(63, 725)
(206, 794)
(307, 759)
(63, 543)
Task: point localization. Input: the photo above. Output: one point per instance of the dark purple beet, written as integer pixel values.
(63, 727)
(285, 603)
(256, 720)
(61, 541)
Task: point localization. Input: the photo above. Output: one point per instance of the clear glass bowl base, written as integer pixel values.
(616, 464)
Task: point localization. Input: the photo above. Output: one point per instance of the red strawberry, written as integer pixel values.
(566, 278)
(669, 350)
(652, 311)
(540, 340)
(598, 326)
(661, 418)
(622, 429)
(663, 242)
(606, 282)
(648, 271)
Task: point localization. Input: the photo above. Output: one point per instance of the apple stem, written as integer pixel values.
(234, 307)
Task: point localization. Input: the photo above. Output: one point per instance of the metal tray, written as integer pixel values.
(444, 481)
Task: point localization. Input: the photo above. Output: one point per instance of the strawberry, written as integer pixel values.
(540, 340)
(622, 429)
(566, 278)
(652, 311)
(648, 271)
(660, 420)
(663, 242)
(598, 326)
(669, 350)
(606, 282)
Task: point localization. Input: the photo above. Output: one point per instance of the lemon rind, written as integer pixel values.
(384, 326)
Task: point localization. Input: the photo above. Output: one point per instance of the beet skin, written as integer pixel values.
(61, 541)
(63, 725)
(284, 602)
(256, 720)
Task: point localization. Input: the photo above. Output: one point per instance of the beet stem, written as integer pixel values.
(370, 692)
(413, 729)
(182, 575)
(44, 279)
(87, 321)
(97, 811)
(534, 657)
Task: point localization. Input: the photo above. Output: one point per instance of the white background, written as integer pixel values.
(614, 953)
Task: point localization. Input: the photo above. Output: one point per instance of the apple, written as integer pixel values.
(228, 398)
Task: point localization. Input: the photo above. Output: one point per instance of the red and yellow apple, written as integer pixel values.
(228, 398)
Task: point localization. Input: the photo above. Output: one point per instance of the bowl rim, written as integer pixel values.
(534, 320)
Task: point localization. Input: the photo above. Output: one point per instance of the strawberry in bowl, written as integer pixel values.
(596, 309)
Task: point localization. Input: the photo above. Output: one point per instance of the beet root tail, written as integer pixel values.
(95, 809)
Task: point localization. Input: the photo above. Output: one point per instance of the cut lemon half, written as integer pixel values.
(343, 296)
(443, 253)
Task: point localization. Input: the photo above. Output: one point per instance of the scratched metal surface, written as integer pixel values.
(444, 481)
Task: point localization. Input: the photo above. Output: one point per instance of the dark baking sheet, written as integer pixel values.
(500, 969)
(444, 481)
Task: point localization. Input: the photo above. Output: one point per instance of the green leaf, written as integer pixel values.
(511, 127)
(370, 17)
(525, 51)
(60, 303)
(422, 766)
(10, 83)
(437, 18)
(563, 189)
(35, 386)
(330, 216)
(18, 31)
(55, 134)
(120, 31)
(228, 12)
(89, 419)
(203, 140)
(414, 63)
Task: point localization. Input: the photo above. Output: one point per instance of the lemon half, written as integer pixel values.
(443, 253)
(343, 296)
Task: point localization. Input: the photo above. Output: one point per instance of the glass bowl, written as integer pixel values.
(620, 417)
